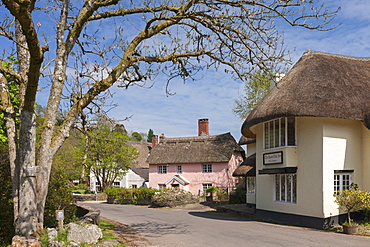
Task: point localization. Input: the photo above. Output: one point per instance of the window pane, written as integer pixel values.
(289, 188)
(266, 135)
(271, 134)
(277, 187)
(291, 131)
(282, 186)
(294, 184)
(277, 143)
(282, 132)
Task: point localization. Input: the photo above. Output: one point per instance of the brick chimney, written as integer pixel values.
(161, 137)
(203, 127)
(154, 140)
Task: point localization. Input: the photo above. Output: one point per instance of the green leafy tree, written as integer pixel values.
(109, 154)
(150, 135)
(175, 38)
(136, 136)
(254, 90)
(351, 200)
(6, 202)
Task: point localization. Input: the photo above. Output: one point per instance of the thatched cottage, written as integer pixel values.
(195, 163)
(312, 138)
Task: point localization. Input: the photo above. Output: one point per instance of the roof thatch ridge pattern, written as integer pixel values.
(193, 138)
(310, 53)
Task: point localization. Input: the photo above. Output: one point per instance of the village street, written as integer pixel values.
(197, 227)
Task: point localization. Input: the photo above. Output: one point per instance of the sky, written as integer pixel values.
(213, 96)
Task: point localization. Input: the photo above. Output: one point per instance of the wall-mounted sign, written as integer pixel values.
(273, 158)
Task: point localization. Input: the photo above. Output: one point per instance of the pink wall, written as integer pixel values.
(221, 175)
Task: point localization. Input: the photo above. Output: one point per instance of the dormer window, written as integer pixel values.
(279, 132)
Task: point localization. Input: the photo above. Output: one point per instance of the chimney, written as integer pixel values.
(203, 128)
(161, 137)
(154, 140)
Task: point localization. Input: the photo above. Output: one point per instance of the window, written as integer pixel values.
(251, 181)
(207, 168)
(161, 186)
(134, 186)
(206, 186)
(279, 132)
(179, 169)
(162, 169)
(116, 184)
(286, 188)
(342, 181)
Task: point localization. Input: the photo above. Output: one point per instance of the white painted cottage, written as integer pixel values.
(312, 139)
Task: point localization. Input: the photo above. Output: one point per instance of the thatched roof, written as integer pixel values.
(143, 148)
(142, 172)
(247, 168)
(319, 85)
(197, 149)
(245, 141)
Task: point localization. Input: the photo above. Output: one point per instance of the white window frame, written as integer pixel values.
(207, 168)
(274, 130)
(162, 186)
(342, 181)
(206, 186)
(162, 169)
(179, 169)
(116, 184)
(251, 185)
(285, 186)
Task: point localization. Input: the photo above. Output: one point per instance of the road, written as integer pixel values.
(196, 227)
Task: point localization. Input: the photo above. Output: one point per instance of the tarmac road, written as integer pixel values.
(184, 227)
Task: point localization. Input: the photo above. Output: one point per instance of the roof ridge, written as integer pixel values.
(310, 53)
(204, 137)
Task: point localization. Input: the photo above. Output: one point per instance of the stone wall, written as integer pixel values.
(90, 197)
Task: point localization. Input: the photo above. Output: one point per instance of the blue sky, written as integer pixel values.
(213, 96)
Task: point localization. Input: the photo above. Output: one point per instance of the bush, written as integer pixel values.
(172, 198)
(132, 196)
(238, 196)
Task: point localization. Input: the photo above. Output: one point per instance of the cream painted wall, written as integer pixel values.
(307, 156)
(342, 146)
(323, 145)
(365, 158)
(251, 149)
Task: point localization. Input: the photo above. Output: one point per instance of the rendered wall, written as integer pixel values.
(307, 156)
(342, 149)
(221, 175)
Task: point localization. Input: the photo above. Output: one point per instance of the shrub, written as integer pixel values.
(352, 200)
(133, 195)
(238, 196)
(172, 198)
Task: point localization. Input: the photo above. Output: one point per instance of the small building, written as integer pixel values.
(136, 176)
(312, 139)
(194, 163)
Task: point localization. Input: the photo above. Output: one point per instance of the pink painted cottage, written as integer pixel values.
(194, 163)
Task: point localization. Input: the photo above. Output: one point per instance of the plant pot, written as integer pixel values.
(350, 229)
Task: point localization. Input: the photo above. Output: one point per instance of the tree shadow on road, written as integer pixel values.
(220, 216)
(156, 230)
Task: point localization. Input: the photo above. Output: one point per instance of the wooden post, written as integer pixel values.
(60, 217)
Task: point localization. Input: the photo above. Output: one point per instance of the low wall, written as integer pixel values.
(88, 214)
(90, 197)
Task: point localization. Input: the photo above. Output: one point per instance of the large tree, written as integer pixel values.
(109, 153)
(88, 46)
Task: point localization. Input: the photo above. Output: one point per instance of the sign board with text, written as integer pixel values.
(273, 158)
